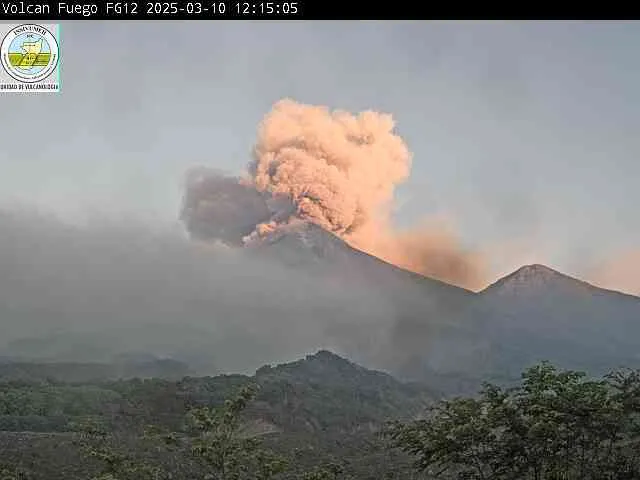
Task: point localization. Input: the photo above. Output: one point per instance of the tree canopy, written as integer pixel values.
(554, 425)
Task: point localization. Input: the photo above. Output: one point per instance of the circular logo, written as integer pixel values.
(29, 53)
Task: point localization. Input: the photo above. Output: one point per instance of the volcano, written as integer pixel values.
(220, 313)
(307, 246)
(455, 338)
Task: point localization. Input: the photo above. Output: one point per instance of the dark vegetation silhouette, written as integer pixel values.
(321, 418)
(555, 425)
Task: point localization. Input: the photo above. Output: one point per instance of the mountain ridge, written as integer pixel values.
(413, 327)
(325, 246)
(539, 274)
(322, 244)
(534, 313)
(302, 417)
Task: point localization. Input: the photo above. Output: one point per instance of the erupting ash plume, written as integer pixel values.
(334, 169)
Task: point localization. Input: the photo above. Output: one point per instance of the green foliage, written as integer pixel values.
(330, 471)
(13, 473)
(326, 392)
(50, 400)
(324, 407)
(268, 464)
(219, 442)
(555, 425)
(114, 462)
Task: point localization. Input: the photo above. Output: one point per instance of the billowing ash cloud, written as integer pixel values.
(221, 207)
(337, 170)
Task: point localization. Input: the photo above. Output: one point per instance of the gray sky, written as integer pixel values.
(522, 133)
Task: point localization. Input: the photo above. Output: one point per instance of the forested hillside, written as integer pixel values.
(321, 410)
(320, 418)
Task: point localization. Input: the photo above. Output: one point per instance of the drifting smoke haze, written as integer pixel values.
(336, 170)
(95, 290)
(621, 272)
(107, 287)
